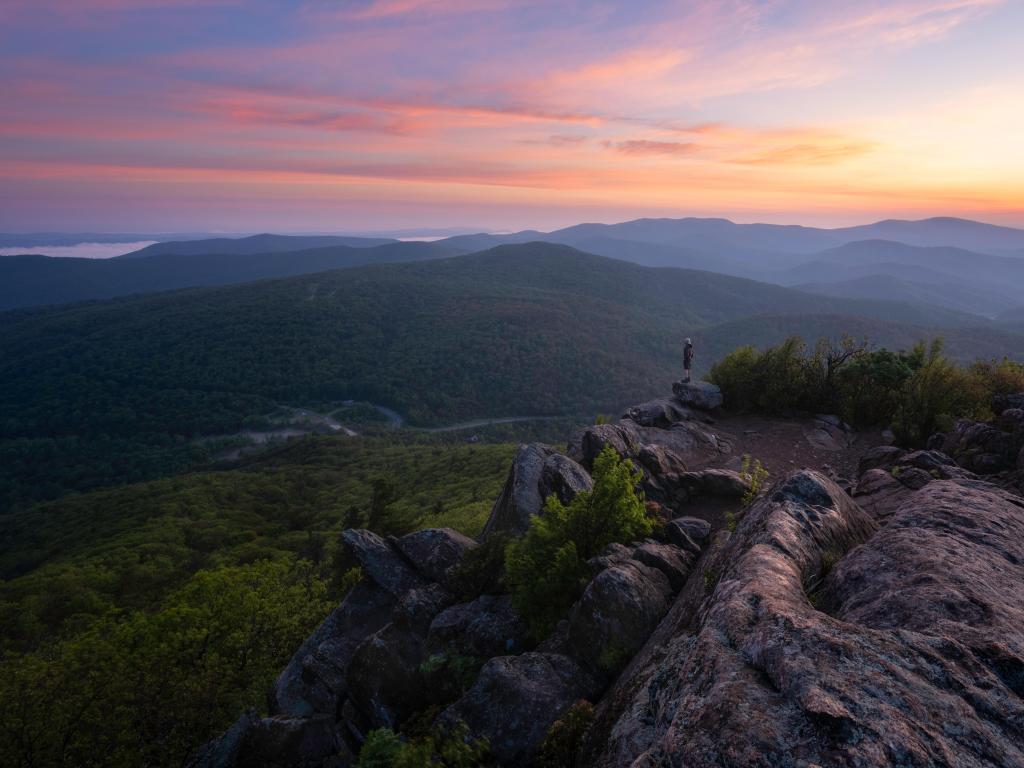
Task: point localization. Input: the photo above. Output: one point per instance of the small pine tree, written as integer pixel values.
(546, 569)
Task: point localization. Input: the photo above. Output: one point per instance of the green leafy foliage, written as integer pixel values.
(140, 621)
(546, 568)
(756, 474)
(455, 748)
(146, 687)
(918, 392)
(481, 571)
(563, 744)
(127, 547)
(131, 389)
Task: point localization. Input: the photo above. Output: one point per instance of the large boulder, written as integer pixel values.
(623, 437)
(694, 528)
(982, 447)
(825, 640)
(662, 413)
(381, 562)
(488, 626)
(616, 614)
(537, 471)
(313, 681)
(828, 433)
(1002, 402)
(700, 394)
(434, 551)
(273, 742)
(712, 482)
(418, 607)
(658, 452)
(384, 680)
(673, 562)
(516, 699)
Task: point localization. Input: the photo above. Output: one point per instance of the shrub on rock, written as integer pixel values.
(546, 569)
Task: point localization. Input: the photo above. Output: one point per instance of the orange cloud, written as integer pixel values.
(645, 147)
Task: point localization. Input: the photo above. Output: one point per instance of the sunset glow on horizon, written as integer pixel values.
(327, 115)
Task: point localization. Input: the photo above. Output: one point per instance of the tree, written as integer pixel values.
(546, 568)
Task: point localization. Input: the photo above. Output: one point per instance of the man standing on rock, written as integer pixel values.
(687, 360)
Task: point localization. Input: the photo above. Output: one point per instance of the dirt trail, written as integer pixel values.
(783, 445)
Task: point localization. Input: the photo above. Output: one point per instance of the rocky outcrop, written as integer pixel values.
(884, 627)
(537, 472)
(516, 699)
(663, 438)
(485, 627)
(987, 448)
(435, 551)
(700, 394)
(617, 612)
(276, 741)
(829, 433)
(831, 636)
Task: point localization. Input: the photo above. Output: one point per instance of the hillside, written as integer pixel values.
(122, 389)
(265, 243)
(27, 281)
(149, 615)
(885, 286)
(951, 277)
(963, 345)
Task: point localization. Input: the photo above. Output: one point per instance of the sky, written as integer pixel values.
(367, 115)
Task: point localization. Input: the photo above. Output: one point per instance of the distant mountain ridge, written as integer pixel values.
(27, 281)
(987, 259)
(717, 235)
(264, 243)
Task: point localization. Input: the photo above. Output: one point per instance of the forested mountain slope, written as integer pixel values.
(27, 281)
(120, 389)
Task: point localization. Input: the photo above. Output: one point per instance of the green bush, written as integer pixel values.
(454, 748)
(563, 743)
(481, 571)
(140, 688)
(935, 396)
(918, 392)
(546, 569)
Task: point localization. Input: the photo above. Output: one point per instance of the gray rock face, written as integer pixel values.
(275, 741)
(673, 562)
(700, 394)
(516, 699)
(418, 607)
(828, 433)
(617, 612)
(880, 494)
(882, 457)
(696, 529)
(384, 681)
(660, 453)
(827, 640)
(537, 471)
(1003, 402)
(985, 448)
(313, 682)
(433, 551)
(712, 482)
(661, 413)
(488, 626)
(623, 437)
(381, 562)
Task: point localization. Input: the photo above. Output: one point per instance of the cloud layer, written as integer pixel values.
(332, 115)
